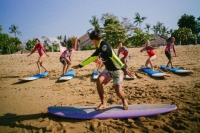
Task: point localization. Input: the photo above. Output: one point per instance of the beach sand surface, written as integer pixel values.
(23, 105)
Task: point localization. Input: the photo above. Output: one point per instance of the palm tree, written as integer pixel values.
(139, 19)
(14, 29)
(164, 30)
(155, 30)
(60, 38)
(148, 26)
(159, 27)
(95, 22)
(171, 31)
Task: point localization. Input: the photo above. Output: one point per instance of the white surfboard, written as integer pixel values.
(69, 75)
(36, 76)
(95, 75)
(128, 77)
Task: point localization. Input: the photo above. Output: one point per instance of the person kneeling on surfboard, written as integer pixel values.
(65, 59)
(170, 45)
(150, 51)
(114, 68)
(42, 53)
(123, 50)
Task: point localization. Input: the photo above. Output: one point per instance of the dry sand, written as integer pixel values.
(23, 105)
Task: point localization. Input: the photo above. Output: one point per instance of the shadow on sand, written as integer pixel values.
(13, 120)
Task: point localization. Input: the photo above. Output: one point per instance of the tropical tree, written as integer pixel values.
(47, 46)
(155, 30)
(148, 26)
(60, 38)
(183, 35)
(164, 31)
(30, 44)
(171, 31)
(11, 45)
(95, 22)
(55, 46)
(188, 21)
(159, 26)
(14, 29)
(139, 38)
(139, 20)
(69, 42)
(114, 31)
(107, 16)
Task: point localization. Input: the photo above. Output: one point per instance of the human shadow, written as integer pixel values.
(14, 120)
(22, 82)
(9, 77)
(61, 81)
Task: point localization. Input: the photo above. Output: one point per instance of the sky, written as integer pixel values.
(52, 18)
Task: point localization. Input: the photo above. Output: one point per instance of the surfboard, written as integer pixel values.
(175, 70)
(95, 75)
(154, 73)
(128, 77)
(69, 75)
(36, 76)
(114, 112)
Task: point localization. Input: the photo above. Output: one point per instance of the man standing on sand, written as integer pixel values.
(114, 68)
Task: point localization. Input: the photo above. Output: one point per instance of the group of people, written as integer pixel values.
(104, 55)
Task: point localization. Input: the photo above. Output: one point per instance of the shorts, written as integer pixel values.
(64, 61)
(127, 59)
(117, 76)
(168, 54)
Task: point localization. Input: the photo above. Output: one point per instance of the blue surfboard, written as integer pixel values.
(69, 75)
(154, 73)
(36, 76)
(175, 70)
(95, 75)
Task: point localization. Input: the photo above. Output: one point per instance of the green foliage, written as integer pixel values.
(8, 44)
(69, 42)
(139, 20)
(139, 38)
(95, 22)
(184, 35)
(111, 20)
(55, 47)
(114, 33)
(188, 21)
(87, 47)
(30, 45)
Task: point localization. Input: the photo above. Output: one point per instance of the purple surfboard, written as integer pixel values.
(114, 112)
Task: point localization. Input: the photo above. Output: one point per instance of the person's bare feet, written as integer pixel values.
(125, 104)
(100, 107)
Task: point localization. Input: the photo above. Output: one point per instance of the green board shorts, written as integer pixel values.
(117, 76)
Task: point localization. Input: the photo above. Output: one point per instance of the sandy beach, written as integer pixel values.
(23, 105)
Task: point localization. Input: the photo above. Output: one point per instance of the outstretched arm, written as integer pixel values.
(32, 50)
(92, 58)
